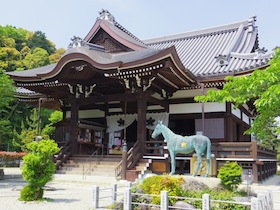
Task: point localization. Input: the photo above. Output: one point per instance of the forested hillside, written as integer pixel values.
(20, 50)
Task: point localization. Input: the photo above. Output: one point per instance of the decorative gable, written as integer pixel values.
(108, 33)
(110, 44)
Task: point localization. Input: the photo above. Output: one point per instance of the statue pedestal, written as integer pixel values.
(203, 167)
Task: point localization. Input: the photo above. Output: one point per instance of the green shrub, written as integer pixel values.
(155, 184)
(38, 168)
(174, 185)
(31, 193)
(230, 174)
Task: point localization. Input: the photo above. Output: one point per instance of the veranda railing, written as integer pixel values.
(133, 156)
(63, 155)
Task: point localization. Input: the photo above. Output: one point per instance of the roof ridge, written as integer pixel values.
(106, 15)
(203, 32)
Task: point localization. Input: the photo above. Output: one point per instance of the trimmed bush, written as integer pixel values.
(155, 184)
(38, 168)
(230, 174)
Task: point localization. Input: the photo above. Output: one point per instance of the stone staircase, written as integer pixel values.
(105, 167)
(80, 165)
(141, 168)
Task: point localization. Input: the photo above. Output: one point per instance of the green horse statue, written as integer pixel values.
(184, 145)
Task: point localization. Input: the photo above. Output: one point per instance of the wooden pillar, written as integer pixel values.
(254, 165)
(74, 125)
(229, 124)
(141, 121)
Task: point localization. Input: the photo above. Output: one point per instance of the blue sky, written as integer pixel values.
(60, 20)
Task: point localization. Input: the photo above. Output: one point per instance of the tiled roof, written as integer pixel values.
(99, 57)
(107, 22)
(222, 50)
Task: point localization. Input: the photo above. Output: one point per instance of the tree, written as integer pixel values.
(54, 58)
(39, 40)
(18, 36)
(7, 91)
(49, 129)
(38, 168)
(262, 88)
(21, 49)
(10, 59)
(38, 57)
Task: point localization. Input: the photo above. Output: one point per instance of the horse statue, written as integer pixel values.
(184, 145)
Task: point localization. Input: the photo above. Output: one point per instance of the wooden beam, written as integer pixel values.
(156, 101)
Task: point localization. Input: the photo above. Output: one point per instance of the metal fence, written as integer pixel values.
(122, 194)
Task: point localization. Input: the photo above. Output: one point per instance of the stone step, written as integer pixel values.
(109, 173)
(77, 164)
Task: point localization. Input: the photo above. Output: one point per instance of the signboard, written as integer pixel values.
(247, 175)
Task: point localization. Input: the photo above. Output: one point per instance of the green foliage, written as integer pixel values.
(38, 168)
(49, 129)
(215, 194)
(174, 185)
(230, 174)
(20, 49)
(54, 58)
(40, 40)
(38, 57)
(263, 89)
(155, 184)
(7, 90)
(31, 193)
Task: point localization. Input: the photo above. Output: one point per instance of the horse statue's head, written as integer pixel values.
(158, 130)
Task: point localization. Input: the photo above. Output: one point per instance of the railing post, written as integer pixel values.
(95, 197)
(261, 199)
(254, 204)
(127, 198)
(269, 199)
(164, 200)
(205, 202)
(114, 193)
(124, 161)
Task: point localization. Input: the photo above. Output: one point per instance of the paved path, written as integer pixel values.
(66, 192)
(73, 192)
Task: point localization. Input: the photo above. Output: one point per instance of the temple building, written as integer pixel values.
(113, 88)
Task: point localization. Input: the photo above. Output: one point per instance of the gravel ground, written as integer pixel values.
(64, 193)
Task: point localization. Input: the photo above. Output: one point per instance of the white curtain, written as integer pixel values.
(113, 124)
(155, 118)
(152, 120)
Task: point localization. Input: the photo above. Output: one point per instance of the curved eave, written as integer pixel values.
(236, 70)
(53, 71)
(109, 63)
(171, 61)
(119, 36)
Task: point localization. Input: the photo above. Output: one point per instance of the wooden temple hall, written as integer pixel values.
(113, 88)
